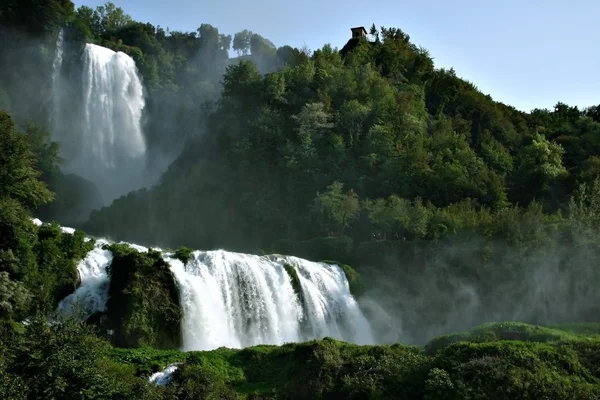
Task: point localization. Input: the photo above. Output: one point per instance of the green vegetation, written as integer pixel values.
(183, 254)
(546, 366)
(143, 308)
(48, 361)
(37, 265)
(57, 255)
(372, 157)
(516, 331)
(354, 280)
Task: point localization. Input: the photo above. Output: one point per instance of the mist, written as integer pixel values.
(104, 143)
(454, 291)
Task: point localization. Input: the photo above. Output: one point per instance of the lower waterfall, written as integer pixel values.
(238, 300)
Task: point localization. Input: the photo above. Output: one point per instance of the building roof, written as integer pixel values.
(359, 27)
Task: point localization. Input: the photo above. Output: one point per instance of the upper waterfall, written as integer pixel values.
(114, 100)
(101, 138)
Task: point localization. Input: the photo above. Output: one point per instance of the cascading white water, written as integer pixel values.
(101, 138)
(239, 300)
(92, 293)
(165, 376)
(56, 81)
(114, 100)
(235, 300)
(113, 148)
(330, 308)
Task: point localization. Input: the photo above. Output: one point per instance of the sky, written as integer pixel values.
(527, 53)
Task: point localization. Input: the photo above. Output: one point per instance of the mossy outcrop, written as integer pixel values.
(143, 308)
(57, 254)
(355, 282)
(519, 331)
(295, 280)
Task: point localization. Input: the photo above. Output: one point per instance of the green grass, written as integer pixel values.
(499, 331)
(256, 369)
(589, 328)
(146, 361)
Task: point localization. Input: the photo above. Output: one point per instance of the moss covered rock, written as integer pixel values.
(143, 308)
(57, 255)
(355, 282)
(293, 274)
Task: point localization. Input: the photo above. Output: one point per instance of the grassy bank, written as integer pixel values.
(500, 360)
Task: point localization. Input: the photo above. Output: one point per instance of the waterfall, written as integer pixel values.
(235, 300)
(114, 100)
(330, 308)
(92, 293)
(101, 136)
(113, 146)
(56, 84)
(165, 376)
(238, 300)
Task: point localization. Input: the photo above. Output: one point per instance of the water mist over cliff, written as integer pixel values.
(101, 136)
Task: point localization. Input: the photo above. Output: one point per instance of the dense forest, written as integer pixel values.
(455, 209)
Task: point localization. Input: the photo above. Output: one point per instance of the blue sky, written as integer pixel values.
(527, 53)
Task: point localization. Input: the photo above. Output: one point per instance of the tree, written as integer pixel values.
(241, 42)
(19, 179)
(261, 46)
(34, 16)
(584, 210)
(225, 42)
(111, 18)
(352, 119)
(338, 208)
(312, 121)
(374, 33)
(593, 112)
(14, 297)
(241, 81)
(53, 359)
(209, 38)
(46, 151)
(538, 166)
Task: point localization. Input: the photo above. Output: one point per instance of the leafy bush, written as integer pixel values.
(183, 254)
